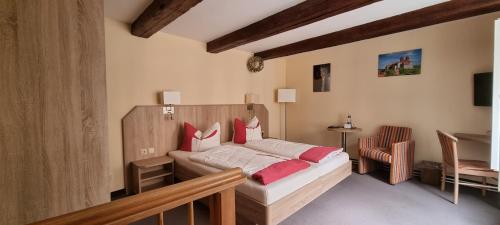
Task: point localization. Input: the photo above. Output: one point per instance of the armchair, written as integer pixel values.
(392, 145)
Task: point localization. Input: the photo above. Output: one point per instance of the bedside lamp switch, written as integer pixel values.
(151, 150)
(144, 151)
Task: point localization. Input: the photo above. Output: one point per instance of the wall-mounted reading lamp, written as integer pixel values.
(169, 99)
(250, 100)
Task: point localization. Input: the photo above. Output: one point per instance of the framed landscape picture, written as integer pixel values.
(321, 78)
(400, 63)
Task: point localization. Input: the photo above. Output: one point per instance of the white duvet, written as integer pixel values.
(232, 156)
(287, 149)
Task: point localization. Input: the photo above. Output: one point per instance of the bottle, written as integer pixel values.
(348, 124)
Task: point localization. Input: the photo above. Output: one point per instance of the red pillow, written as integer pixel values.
(240, 132)
(189, 132)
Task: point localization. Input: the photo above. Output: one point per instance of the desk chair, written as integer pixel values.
(462, 166)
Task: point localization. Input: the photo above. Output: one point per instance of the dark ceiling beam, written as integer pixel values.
(440, 13)
(159, 14)
(299, 15)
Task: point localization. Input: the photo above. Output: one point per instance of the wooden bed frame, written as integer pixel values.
(146, 127)
(251, 212)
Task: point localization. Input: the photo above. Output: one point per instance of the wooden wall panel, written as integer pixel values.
(147, 127)
(53, 126)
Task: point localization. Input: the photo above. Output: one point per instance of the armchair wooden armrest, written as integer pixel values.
(400, 146)
(368, 142)
(402, 154)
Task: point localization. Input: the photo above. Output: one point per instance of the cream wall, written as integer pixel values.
(138, 69)
(439, 98)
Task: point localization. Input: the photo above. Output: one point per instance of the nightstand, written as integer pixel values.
(152, 173)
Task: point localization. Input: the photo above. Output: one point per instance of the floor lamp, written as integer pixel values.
(286, 96)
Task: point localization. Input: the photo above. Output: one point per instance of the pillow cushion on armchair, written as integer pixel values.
(377, 153)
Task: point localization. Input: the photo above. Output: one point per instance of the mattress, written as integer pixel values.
(268, 194)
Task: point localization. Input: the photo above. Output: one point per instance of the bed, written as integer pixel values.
(278, 200)
(144, 126)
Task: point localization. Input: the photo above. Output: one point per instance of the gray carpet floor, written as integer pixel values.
(369, 200)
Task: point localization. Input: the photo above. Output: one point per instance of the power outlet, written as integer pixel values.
(144, 151)
(151, 150)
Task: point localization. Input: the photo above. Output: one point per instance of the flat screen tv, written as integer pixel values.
(483, 89)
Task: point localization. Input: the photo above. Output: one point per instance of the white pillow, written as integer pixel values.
(197, 141)
(253, 129)
(208, 139)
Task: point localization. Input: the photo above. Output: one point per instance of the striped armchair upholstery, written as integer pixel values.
(392, 145)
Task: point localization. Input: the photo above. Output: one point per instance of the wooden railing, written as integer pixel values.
(220, 187)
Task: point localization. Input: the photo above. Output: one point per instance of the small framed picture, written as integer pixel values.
(321, 78)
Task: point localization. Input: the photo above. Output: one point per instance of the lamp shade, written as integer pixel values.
(171, 98)
(286, 95)
(251, 98)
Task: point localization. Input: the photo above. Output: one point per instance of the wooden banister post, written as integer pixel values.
(213, 204)
(222, 208)
(190, 213)
(227, 206)
(160, 218)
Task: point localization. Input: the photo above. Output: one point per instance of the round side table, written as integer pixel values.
(343, 132)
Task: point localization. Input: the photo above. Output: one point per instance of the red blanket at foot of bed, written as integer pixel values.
(279, 170)
(316, 154)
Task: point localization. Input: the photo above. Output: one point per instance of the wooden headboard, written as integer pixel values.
(146, 127)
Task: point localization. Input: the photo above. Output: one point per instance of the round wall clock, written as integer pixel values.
(255, 64)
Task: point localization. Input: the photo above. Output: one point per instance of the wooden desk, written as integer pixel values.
(343, 132)
(481, 138)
